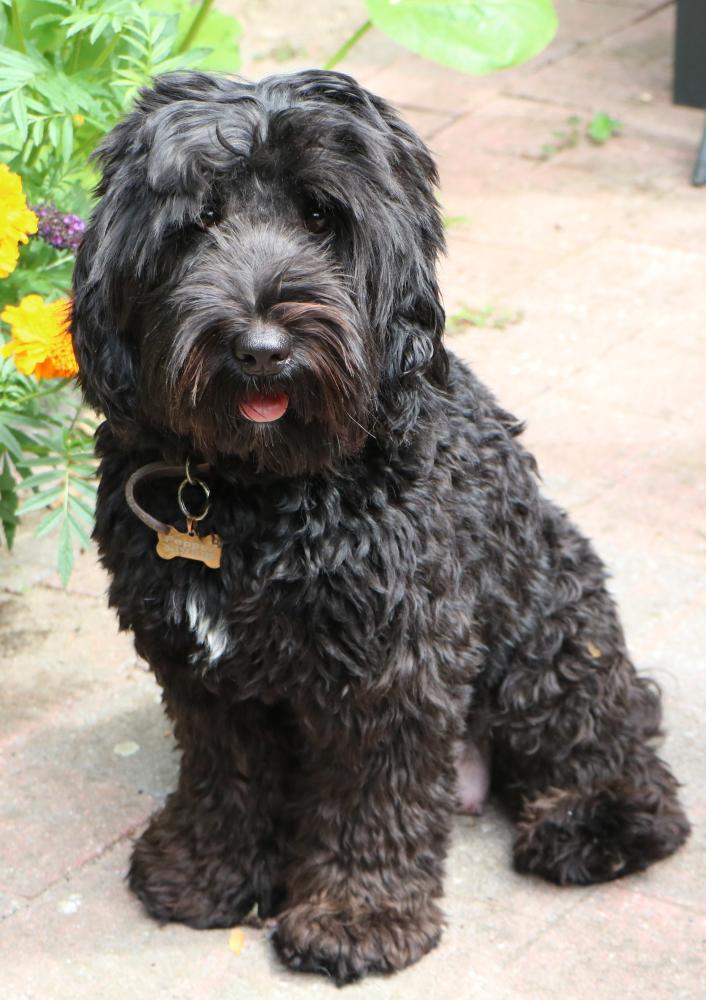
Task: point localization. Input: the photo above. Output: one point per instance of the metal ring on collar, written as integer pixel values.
(193, 481)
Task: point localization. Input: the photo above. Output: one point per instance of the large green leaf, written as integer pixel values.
(219, 34)
(473, 36)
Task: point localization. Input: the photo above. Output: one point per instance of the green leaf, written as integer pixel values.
(38, 131)
(8, 502)
(603, 127)
(87, 488)
(82, 471)
(18, 68)
(82, 509)
(99, 27)
(48, 522)
(9, 528)
(216, 45)
(7, 509)
(19, 114)
(54, 133)
(80, 531)
(8, 439)
(220, 33)
(67, 138)
(473, 36)
(65, 560)
(40, 500)
(8, 506)
(39, 478)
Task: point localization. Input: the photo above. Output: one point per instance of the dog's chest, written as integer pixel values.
(315, 578)
(296, 593)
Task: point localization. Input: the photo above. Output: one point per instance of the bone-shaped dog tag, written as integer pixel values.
(188, 545)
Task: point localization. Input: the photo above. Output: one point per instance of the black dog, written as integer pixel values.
(395, 601)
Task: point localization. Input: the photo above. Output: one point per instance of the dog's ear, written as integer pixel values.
(103, 281)
(414, 343)
(153, 156)
(398, 233)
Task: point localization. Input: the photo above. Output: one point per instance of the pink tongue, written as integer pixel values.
(264, 409)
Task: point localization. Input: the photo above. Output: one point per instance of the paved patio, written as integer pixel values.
(591, 260)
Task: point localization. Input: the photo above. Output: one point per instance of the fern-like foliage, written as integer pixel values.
(62, 481)
(46, 462)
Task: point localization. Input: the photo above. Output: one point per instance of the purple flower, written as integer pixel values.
(62, 229)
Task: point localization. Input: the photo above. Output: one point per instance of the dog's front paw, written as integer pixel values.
(206, 883)
(347, 942)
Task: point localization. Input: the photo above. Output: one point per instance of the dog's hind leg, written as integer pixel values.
(214, 850)
(572, 731)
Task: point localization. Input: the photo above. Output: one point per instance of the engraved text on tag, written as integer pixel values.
(173, 543)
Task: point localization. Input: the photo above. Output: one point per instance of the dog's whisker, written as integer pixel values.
(196, 384)
(358, 424)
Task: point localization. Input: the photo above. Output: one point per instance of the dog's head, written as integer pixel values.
(258, 277)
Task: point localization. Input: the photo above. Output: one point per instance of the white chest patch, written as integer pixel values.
(211, 631)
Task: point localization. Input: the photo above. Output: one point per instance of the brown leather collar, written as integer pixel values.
(157, 470)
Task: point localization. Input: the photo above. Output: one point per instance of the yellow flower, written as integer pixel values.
(79, 120)
(41, 342)
(16, 220)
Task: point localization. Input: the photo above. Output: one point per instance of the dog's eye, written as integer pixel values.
(209, 216)
(317, 221)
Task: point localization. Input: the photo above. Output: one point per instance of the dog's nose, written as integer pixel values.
(263, 350)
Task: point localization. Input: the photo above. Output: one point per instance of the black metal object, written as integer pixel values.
(690, 54)
(690, 67)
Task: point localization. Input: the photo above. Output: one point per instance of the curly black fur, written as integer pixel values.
(392, 581)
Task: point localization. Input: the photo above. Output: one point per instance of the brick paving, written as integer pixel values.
(597, 255)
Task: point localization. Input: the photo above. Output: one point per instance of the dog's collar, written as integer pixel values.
(172, 543)
(159, 470)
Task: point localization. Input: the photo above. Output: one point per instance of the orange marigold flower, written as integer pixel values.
(16, 220)
(41, 342)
